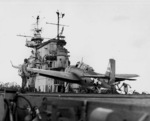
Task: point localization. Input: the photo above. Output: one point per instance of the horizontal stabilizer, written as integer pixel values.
(123, 79)
(126, 75)
(118, 77)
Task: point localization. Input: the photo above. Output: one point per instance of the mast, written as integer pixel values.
(58, 24)
(59, 15)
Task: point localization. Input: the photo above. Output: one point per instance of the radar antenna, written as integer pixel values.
(59, 15)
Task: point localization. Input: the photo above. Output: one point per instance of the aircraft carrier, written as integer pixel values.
(47, 100)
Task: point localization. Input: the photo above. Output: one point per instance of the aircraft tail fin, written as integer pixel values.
(111, 69)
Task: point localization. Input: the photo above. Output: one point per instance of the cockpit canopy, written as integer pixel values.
(84, 66)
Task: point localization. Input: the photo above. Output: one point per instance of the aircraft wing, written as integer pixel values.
(64, 76)
(97, 76)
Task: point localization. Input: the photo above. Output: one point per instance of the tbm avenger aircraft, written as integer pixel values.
(85, 76)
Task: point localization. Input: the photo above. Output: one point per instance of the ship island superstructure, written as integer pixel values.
(48, 55)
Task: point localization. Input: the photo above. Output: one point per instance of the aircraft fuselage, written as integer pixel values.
(79, 73)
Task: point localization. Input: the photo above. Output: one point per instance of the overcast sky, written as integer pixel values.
(98, 30)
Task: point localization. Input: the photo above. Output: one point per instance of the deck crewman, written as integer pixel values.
(125, 85)
(25, 74)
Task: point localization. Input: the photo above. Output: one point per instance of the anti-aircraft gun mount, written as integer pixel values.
(36, 39)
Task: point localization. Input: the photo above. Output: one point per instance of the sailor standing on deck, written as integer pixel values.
(125, 87)
(25, 74)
